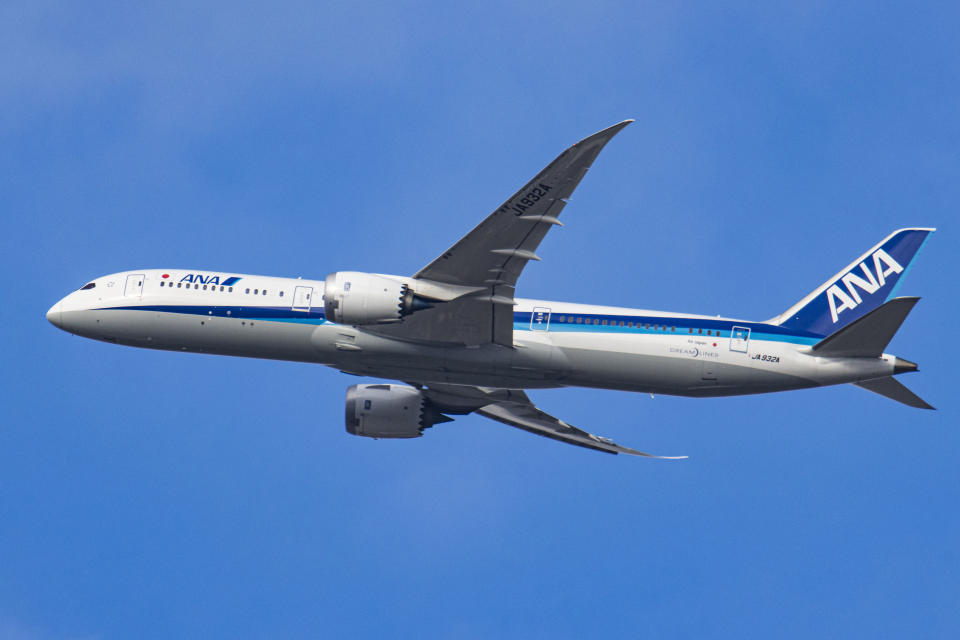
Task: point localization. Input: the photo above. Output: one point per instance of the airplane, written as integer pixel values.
(458, 341)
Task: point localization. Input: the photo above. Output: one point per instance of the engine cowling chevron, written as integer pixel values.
(355, 298)
(389, 411)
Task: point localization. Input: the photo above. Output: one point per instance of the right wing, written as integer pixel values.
(513, 407)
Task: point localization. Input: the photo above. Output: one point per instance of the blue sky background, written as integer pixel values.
(157, 495)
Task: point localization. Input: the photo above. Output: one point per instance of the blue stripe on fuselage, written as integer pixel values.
(676, 326)
(273, 314)
(670, 325)
(757, 332)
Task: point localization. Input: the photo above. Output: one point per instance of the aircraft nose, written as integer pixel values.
(54, 316)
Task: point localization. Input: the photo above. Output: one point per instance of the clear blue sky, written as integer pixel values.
(158, 495)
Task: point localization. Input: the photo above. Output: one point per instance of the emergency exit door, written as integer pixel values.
(540, 319)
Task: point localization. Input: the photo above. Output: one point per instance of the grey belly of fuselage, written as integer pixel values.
(530, 365)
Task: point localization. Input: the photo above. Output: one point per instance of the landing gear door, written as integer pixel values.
(134, 285)
(540, 319)
(739, 339)
(302, 298)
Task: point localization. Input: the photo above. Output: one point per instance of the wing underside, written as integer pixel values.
(513, 407)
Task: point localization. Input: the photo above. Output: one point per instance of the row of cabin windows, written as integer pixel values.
(628, 324)
(613, 323)
(213, 287)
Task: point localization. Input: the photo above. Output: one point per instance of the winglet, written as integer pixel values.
(650, 455)
(634, 452)
(604, 135)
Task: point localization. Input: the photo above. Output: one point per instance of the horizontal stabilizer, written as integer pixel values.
(895, 390)
(869, 335)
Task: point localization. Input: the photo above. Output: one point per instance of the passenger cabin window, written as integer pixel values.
(248, 290)
(88, 286)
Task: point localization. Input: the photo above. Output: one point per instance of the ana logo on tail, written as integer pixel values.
(883, 266)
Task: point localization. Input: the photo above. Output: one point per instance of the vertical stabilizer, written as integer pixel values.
(864, 285)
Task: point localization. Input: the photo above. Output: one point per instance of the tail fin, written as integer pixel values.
(865, 284)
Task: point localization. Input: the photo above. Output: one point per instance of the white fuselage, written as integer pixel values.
(556, 344)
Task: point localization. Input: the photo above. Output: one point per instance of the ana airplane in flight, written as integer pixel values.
(462, 343)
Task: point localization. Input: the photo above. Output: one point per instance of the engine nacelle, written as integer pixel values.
(389, 411)
(351, 297)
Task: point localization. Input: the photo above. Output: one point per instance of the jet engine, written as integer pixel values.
(351, 297)
(389, 411)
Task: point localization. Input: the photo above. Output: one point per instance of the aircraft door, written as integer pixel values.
(708, 371)
(134, 285)
(302, 298)
(540, 319)
(739, 339)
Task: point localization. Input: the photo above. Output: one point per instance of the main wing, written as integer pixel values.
(490, 258)
(514, 408)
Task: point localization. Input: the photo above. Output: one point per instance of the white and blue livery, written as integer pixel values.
(461, 342)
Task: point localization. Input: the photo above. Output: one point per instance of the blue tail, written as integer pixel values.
(865, 284)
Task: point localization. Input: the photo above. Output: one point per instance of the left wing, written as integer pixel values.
(488, 260)
(513, 407)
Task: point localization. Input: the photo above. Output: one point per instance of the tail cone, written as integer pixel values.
(903, 366)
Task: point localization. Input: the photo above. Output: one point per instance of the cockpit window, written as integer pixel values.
(90, 285)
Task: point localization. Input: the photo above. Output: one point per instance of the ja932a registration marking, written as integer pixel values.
(530, 198)
(762, 357)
